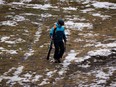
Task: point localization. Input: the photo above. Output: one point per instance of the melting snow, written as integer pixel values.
(105, 5)
(101, 52)
(39, 6)
(27, 54)
(70, 8)
(25, 1)
(18, 18)
(36, 78)
(102, 16)
(8, 51)
(46, 15)
(103, 76)
(79, 26)
(15, 77)
(44, 82)
(5, 39)
(106, 45)
(87, 10)
(50, 73)
(14, 20)
(69, 58)
(2, 2)
(8, 23)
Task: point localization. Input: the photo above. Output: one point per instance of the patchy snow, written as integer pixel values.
(69, 58)
(15, 77)
(13, 22)
(27, 54)
(101, 52)
(113, 84)
(75, 18)
(18, 70)
(89, 45)
(18, 18)
(13, 68)
(36, 78)
(12, 51)
(78, 40)
(70, 8)
(39, 6)
(25, 1)
(84, 65)
(67, 32)
(27, 75)
(37, 35)
(29, 14)
(4, 38)
(2, 2)
(80, 59)
(87, 10)
(106, 45)
(46, 15)
(7, 51)
(16, 3)
(79, 26)
(102, 16)
(1, 48)
(106, 5)
(103, 75)
(50, 73)
(90, 35)
(44, 82)
(8, 23)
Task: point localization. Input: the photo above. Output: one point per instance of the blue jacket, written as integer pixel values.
(59, 33)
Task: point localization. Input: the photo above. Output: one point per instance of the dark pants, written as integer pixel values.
(59, 49)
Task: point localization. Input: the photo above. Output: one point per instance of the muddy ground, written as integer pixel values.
(24, 49)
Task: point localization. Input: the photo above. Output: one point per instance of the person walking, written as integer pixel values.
(59, 40)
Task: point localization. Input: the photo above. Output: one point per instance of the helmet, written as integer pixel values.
(60, 22)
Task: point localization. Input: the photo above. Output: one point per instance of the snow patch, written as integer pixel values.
(106, 45)
(79, 26)
(36, 78)
(28, 14)
(101, 52)
(14, 20)
(5, 39)
(37, 35)
(8, 23)
(18, 18)
(69, 58)
(27, 54)
(25, 1)
(8, 51)
(46, 15)
(50, 73)
(106, 5)
(44, 82)
(39, 6)
(102, 16)
(87, 10)
(70, 8)
(102, 75)
(2, 2)
(15, 77)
